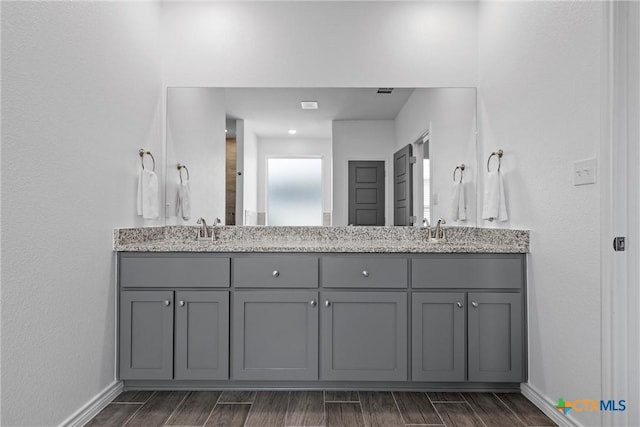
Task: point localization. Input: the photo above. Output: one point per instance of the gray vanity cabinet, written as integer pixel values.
(275, 335)
(484, 326)
(146, 335)
(438, 336)
(202, 335)
(495, 336)
(467, 318)
(363, 336)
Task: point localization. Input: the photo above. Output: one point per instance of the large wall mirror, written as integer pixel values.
(321, 156)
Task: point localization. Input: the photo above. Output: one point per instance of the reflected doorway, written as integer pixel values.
(366, 193)
(230, 187)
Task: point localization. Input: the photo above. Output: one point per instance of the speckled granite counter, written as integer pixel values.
(321, 240)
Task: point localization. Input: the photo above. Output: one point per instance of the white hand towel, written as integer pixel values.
(148, 194)
(183, 206)
(495, 205)
(458, 209)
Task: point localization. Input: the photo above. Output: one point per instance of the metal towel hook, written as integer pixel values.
(142, 152)
(461, 167)
(180, 167)
(498, 153)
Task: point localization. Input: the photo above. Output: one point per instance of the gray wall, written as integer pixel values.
(81, 93)
(545, 114)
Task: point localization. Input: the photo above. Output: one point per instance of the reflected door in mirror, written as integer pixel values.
(366, 193)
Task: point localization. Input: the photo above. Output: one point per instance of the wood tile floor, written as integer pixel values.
(319, 408)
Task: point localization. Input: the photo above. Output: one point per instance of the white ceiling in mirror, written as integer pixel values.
(273, 111)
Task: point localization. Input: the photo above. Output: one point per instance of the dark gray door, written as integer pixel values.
(495, 337)
(366, 193)
(146, 335)
(202, 335)
(275, 335)
(364, 336)
(403, 186)
(438, 336)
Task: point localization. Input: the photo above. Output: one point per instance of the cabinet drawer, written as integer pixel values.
(276, 271)
(364, 272)
(468, 271)
(173, 270)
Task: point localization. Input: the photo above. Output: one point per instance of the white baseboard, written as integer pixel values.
(95, 405)
(547, 406)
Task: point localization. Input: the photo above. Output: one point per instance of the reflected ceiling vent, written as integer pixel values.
(309, 105)
(385, 90)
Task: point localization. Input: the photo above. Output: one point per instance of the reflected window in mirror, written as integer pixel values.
(294, 191)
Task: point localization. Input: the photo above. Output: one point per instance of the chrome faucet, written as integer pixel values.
(438, 234)
(203, 232)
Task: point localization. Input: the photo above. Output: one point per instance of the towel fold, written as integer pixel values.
(495, 206)
(458, 208)
(183, 205)
(148, 194)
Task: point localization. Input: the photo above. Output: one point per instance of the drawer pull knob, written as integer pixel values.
(459, 304)
(365, 273)
(167, 303)
(327, 303)
(313, 303)
(181, 303)
(275, 273)
(474, 304)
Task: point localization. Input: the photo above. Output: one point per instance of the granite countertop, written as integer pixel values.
(321, 240)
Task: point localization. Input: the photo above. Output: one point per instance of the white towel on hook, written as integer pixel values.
(495, 204)
(183, 205)
(458, 208)
(148, 194)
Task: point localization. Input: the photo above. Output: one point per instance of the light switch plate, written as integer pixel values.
(584, 172)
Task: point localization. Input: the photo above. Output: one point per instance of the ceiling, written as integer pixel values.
(271, 112)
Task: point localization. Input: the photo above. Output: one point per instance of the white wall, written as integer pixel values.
(361, 140)
(196, 138)
(451, 112)
(294, 147)
(250, 175)
(539, 100)
(332, 44)
(80, 95)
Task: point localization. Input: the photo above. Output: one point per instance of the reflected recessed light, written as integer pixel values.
(292, 131)
(226, 130)
(309, 105)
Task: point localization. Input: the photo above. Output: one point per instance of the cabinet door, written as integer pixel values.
(275, 335)
(146, 335)
(438, 336)
(364, 336)
(202, 335)
(495, 337)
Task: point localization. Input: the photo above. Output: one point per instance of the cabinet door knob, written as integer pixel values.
(365, 273)
(167, 303)
(313, 303)
(474, 304)
(181, 303)
(459, 304)
(275, 273)
(327, 303)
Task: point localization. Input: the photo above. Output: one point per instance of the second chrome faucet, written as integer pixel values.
(438, 233)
